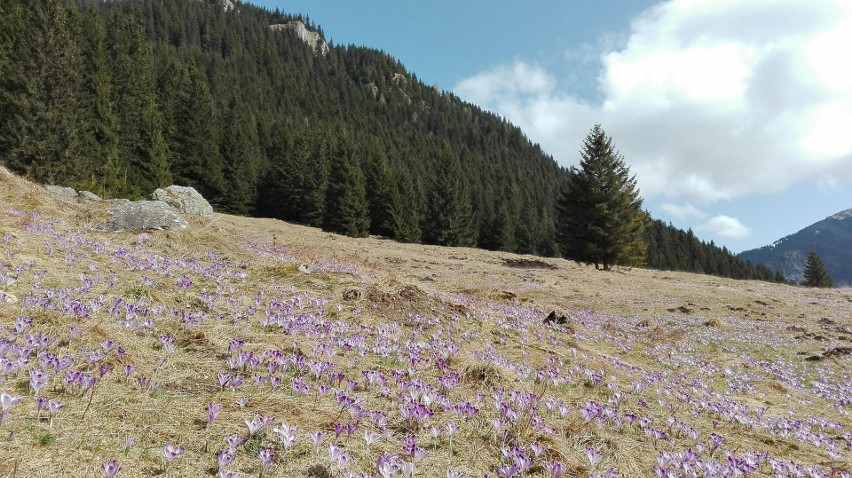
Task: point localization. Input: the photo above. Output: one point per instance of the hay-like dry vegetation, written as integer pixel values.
(259, 348)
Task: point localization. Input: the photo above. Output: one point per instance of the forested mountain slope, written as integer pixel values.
(830, 238)
(122, 97)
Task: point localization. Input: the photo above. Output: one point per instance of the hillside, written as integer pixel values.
(830, 238)
(251, 345)
(263, 116)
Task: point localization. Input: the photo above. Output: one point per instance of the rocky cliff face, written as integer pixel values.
(310, 37)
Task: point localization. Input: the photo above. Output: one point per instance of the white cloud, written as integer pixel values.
(683, 211)
(708, 100)
(505, 83)
(726, 226)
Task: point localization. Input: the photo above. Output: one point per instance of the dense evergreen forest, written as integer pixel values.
(122, 97)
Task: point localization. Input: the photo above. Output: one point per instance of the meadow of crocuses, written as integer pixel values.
(254, 348)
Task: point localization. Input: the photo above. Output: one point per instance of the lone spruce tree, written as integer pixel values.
(816, 275)
(601, 220)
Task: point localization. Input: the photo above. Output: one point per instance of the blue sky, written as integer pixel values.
(734, 115)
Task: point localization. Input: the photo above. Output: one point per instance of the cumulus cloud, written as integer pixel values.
(708, 100)
(683, 211)
(726, 226)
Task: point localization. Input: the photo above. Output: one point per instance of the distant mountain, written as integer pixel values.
(830, 238)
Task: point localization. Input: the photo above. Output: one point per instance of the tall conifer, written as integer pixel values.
(406, 211)
(99, 161)
(192, 131)
(346, 208)
(383, 195)
(816, 275)
(241, 157)
(601, 216)
(449, 219)
(143, 153)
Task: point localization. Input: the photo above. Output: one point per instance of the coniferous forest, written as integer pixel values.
(122, 97)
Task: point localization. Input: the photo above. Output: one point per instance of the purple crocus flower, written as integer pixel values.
(287, 434)
(258, 423)
(173, 451)
(110, 468)
(316, 437)
(225, 458)
(266, 455)
(53, 408)
(40, 404)
(454, 474)
(234, 441)
(213, 410)
(38, 379)
(129, 369)
(370, 437)
(716, 442)
(224, 380)
(555, 468)
(387, 465)
(593, 455)
(7, 401)
(507, 471)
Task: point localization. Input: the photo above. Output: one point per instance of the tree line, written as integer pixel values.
(120, 98)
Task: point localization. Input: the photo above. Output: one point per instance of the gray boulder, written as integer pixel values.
(62, 191)
(143, 215)
(88, 196)
(185, 199)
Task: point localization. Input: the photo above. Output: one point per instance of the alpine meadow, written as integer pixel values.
(232, 248)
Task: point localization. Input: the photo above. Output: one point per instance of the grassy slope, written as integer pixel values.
(637, 342)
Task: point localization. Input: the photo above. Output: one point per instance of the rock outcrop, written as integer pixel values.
(88, 196)
(65, 192)
(303, 33)
(185, 199)
(61, 191)
(142, 215)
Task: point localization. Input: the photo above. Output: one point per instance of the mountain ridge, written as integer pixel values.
(829, 237)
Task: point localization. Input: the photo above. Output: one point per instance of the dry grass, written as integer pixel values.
(623, 325)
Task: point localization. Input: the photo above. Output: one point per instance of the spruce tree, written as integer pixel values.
(383, 194)
(98, 119)
(503, 228)
(293, 187)
(242, 158)
(346, 208)
(406, 211)
(816, 275)
(143, 153)
(600, 211)
(192, 131)
(449, 218)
